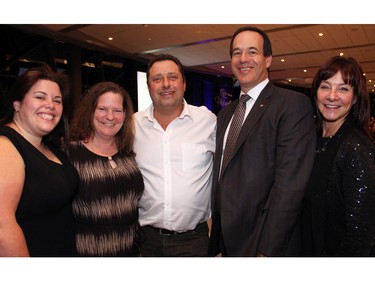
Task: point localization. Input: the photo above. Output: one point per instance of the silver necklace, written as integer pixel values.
(323, 147)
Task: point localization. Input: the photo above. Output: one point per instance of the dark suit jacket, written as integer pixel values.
(264, 183)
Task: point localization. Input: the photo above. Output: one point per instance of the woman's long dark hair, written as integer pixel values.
(352, 75)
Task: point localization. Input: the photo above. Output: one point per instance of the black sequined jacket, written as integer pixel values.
(339, 209)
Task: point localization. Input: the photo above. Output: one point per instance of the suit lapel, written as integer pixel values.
(255, 113)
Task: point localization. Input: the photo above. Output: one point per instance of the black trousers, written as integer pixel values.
(163, 243)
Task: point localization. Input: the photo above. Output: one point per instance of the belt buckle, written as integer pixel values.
(166, 232)
(162, 232)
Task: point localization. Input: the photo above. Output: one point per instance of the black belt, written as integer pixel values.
(163, 231)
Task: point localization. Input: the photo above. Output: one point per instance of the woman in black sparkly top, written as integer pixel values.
(339, 210)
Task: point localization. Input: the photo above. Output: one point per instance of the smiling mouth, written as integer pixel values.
(330, 106)
(246, 69)
(46, 116)
(166, 93)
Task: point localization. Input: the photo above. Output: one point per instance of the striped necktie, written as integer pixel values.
(233, 133)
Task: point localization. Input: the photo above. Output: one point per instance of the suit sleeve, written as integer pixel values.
(294, 157)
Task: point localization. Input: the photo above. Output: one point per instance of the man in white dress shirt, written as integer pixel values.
(174, 145)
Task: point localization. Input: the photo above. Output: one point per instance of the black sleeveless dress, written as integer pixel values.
(44, 211)
(106, 204)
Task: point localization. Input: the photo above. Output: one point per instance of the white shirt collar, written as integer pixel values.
(255, 92)
(149, 112)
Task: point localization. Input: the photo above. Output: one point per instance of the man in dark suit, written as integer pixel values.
(264, 181)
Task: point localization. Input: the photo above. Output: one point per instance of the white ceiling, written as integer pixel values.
(205, 47)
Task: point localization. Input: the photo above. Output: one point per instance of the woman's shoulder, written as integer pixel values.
(356, 137)
(73, 148)
(8, 131)
(11, 137)
(7, 145)
(357, 143)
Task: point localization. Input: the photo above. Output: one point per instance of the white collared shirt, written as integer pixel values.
(254, 94)
(176, 165)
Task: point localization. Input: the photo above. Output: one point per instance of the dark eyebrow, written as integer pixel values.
(253, 48)
(41, 92)
(44, 93)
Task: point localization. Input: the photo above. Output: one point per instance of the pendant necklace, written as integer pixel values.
(98, 151)
(112, 162)
(325, 141)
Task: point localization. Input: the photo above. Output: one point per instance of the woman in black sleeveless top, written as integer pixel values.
(37, 182)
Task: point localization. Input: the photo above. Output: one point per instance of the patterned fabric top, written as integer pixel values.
(106, 204)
